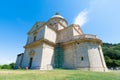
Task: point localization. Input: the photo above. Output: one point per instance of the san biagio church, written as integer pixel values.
(55, 44)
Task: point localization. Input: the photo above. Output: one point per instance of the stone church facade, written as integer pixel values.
(54, 44)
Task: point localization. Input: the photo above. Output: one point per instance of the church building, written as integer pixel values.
(55, 44)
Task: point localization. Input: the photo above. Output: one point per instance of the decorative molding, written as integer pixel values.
(32, 53)
(74, 26)
(82, 40)
(61, 24)
(38, 42)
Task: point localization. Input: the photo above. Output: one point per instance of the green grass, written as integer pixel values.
(57, 75)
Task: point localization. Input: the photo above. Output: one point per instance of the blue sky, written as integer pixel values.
(99, 17)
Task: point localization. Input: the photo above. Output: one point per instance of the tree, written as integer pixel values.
(108, 61)
(12, 65)
(5, 66)
(112, 54)
(116, 63)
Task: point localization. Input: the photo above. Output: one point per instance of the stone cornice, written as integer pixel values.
(77, 29)
(65, 29)
(37, 28)
(83, 40)
(43, 25)
(51, 27)
(20, 54)
(73, 26)
(38, 42)
(62, 24)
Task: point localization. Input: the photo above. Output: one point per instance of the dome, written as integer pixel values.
(57, 15)
(57, 19)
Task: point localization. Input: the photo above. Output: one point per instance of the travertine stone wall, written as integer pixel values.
(50, 34)
(102, 57)
(81, 55)
(36, 63)
(47, 57)
(39, 35)
(85, 56)
(30, 38)
(69, 56)
(37, 58)
(25, 62)
(94, 55)
(68, 33)
(19, 60)
(65, 35)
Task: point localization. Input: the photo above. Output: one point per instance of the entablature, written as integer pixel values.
(38, 42)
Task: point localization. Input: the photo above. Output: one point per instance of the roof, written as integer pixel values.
(57, 15)
(36, 26)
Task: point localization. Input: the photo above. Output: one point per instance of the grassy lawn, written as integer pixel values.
(57, 75)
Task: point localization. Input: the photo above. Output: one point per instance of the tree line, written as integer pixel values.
(7, 66)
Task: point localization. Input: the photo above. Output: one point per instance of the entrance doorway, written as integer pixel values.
(30, 62)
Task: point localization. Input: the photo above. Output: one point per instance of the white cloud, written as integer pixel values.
(81, 18)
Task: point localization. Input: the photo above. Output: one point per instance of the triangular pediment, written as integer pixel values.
(36, 26)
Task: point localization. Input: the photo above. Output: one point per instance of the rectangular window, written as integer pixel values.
(82, 58)
(35, 38)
